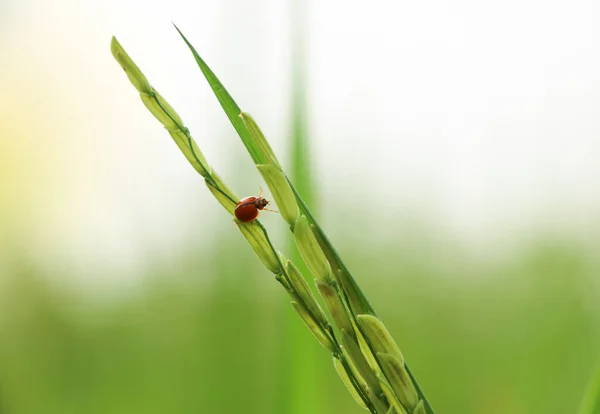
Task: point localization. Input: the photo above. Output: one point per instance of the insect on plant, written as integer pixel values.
(365, 355)
(247, 209)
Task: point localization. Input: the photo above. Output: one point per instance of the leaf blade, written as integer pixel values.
(231, 108)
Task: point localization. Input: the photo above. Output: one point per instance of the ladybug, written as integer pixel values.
(247, 209)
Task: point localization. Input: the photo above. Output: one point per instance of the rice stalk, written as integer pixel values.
(314, 247)
(373, 367)
(302, 299)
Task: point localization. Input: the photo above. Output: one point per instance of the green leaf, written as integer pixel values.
(229, 106)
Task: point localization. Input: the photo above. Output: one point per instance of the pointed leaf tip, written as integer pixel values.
(230, 107)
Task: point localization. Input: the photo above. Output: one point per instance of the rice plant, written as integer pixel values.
(366, 357)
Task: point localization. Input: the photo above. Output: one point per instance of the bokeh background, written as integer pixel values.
(452, 158)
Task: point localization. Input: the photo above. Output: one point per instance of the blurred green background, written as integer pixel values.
(516, 336)
(465, 202)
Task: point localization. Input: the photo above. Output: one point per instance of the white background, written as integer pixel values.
(479, 117)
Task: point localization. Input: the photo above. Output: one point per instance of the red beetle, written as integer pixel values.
(247, 209)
